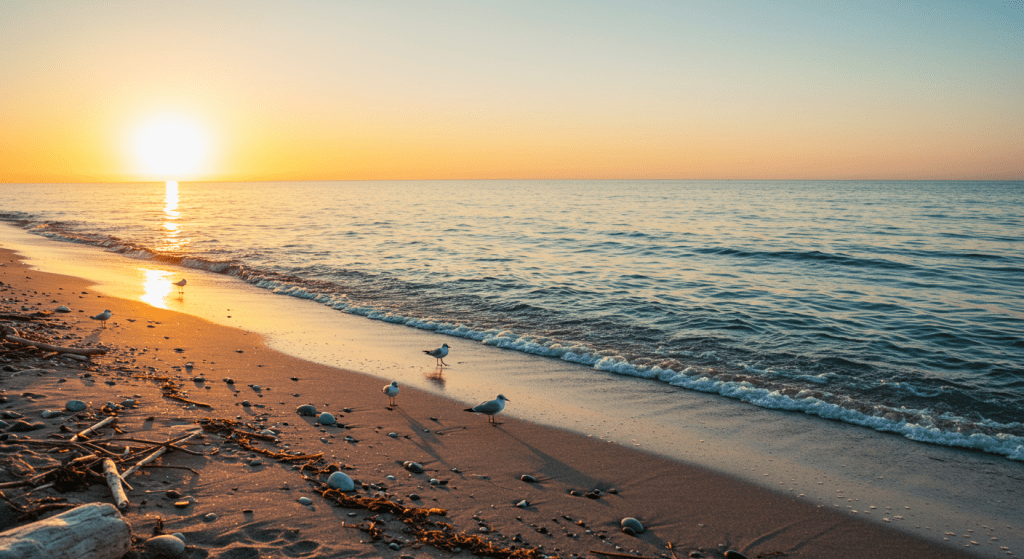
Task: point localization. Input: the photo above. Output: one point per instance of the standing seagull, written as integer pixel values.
(102, 317)
(438, 353)
(490, 408)
(181, 285)
(391, 391)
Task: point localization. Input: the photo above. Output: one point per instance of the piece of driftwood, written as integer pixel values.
(159, 452)
(92, 429)
(93, 531)
(114, 482)
(10, 334)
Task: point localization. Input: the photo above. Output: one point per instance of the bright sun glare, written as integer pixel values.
(171, 147)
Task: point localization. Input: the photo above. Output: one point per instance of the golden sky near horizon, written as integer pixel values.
(97, 91)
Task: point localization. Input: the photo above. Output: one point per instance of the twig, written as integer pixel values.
(158, 453)
(93, 428)
(114, 482)
(610, 554)
(10, 334)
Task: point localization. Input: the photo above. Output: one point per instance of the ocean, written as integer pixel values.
(893, 306)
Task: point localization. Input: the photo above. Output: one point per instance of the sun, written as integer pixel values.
(170, 147)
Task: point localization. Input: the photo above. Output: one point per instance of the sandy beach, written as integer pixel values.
(254, 495)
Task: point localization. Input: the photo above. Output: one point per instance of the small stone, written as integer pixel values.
(307, 409)
(268, 432)
(22, 426)
(434, 481)
(229, 380)
(210, 517)
(47, 414)
(305, 501)
(62, 308)
(413, 467)
(255, 462)
(523, 504)
(632, 526)
(75, 405)
(173, 493)
(326, 419)
(734, 555)
(414, 497)
(246, 404)
(395, 546)
(393, 435)
(166, 545)
(483, 529)
(341, 482)
(528, 478)
(128, 402)
(391, 477)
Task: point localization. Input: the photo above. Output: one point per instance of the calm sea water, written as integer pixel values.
(898, 306)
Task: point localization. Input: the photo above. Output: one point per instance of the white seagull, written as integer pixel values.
(102, 317)
(181, 285)
(490, 408)
(391, 391)
(438, 353)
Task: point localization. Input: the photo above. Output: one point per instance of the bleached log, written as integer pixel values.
(114, 482)
(93, 531)
(159, 452)
(10, 334)
(92, 429)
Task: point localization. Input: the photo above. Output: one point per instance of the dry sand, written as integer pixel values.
(255, 497)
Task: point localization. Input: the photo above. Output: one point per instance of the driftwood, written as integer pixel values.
(10, 334)
(94, 531)
(92, 429)
(156, 454)
(114, 482)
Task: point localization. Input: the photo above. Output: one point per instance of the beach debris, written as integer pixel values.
(413, 467)
(306, 409)
(305, 501)
(47, 414)
(85, 434)
(75, 405)
(12, 335)
(632, 526)
(62, 308)
(594, 494)
(114, 480)
(242, 435)
(96, 530)
(168, 545)
(528, 478)
(326, 419)
(523, 504)
(391, 390)
(341, 482)
(159, 452)
(732, 554)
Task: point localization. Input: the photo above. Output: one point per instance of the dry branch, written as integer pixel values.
(92, 429)
(114, 482)
(10, 334)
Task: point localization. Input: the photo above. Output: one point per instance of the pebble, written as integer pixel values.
(523, 504)
(341, 482)
(21, 426)
(255, 462)
(326, 419)
(528, 478)
(391, 477)
(414, 497)
(413, 467)
(393, 435)
(47, 414)
(246, 404)
(434, 481)
(166, 545)
(305, 501)
(75, 405)
(62, 308)
(307, 409)
(268, 432)
(632, 526)
(394, 546)
(734, 555)
(210, 517)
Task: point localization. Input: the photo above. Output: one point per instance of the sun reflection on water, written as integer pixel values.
(156, 286)
(173, 241)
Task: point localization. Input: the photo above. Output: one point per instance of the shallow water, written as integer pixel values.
(897, 306)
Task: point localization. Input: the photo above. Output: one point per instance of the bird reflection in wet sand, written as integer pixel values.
(436, 376)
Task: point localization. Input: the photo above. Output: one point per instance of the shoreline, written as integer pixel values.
(665, 489)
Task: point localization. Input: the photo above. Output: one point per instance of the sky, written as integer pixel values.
(112, 91)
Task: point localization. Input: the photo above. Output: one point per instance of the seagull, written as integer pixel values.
(438, 353)
(391, 391)
(102, 317)
(490, 408)
(181, 285)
